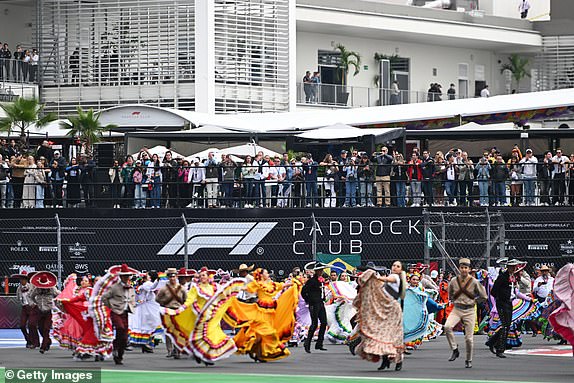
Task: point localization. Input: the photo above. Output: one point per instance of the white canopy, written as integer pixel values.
(160, 151)
(216, 153)
(51, 130)
(341, 131)
(249, 149)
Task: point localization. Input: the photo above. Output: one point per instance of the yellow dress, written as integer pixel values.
(195, 327)
(267, 325)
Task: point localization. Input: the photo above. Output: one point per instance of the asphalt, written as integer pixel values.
(425, 364)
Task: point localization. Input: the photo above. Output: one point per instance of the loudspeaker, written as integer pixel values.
(102, 188)
(104, 154)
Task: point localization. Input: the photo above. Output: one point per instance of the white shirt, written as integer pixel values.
(559, 167)
(485, 93)
(529, 168)
(198, 174)
(394, 285)
(524, 6)
(544, 289)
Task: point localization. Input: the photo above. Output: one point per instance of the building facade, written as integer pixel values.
(228, 56)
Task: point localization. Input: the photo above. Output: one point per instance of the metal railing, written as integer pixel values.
(80, 186)
(355, 96)
(18, 71)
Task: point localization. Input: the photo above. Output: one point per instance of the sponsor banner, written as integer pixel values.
(277, 239)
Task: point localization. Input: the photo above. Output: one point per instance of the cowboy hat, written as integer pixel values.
(44, 280)
(23, 274)
(243, 267)
(316, 266)
(171, 270)
(122, 269)
(544, 268)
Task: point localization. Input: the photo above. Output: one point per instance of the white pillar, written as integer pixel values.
(204, 56)
(292, 55)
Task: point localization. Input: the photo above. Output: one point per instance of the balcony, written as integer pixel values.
(17, 79)
(477, 29)
(339, 96)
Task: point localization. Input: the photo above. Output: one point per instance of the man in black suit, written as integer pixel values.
(314, 296)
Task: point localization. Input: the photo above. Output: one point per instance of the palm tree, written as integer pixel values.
(21, 115)
(517, 66)
(87, 127)
(348, 59)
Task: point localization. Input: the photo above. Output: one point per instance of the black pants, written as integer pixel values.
(558, 188)
(505, 315)
(318, 313)
(18, 187)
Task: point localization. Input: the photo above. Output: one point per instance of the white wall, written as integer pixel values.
(17, 25)
(423, 58)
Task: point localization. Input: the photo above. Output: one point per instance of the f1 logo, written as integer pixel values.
(241, 237)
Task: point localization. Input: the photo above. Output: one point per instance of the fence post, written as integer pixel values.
(501, 237)
(426, 217)
(185, 239)
(488, 244)
(59, 239)
(314, 241)
(443, 239)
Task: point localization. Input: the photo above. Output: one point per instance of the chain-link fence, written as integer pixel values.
(89, 241)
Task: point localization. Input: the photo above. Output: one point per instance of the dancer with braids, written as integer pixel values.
(380, 318)
(268, 324)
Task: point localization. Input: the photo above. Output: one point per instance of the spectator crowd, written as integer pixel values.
(20, 65)
(353, 179)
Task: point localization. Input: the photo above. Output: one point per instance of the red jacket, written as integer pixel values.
(416, 168)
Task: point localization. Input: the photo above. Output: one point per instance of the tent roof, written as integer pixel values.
(341, 131)
(420, 115)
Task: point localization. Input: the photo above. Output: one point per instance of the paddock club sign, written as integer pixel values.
(94, 239)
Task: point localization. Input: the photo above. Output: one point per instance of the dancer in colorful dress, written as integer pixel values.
(562, 319)
(195, 327)
(66, 329)
(267, 325)
(380, 318)
(340, 311)
(464, 291)
(75, 306)
(145, 322)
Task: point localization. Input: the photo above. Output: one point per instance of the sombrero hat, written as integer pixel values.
(514, 262)
(182, 272)
(122, 269)
(191, 272)
(23, 274)
(372, 266)
(44, 280)
(316, 266)
(544, 268)
(243, 267)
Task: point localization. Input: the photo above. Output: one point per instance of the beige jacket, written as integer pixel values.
(120, 299)
(474, 288)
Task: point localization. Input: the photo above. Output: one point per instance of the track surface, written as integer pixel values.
(337, 365)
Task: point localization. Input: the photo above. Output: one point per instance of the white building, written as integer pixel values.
(225, 56)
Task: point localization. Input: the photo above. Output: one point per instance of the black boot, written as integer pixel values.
(399, 366)
(455, 354)
(500, 354)
(468, 364)
(385, 363)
